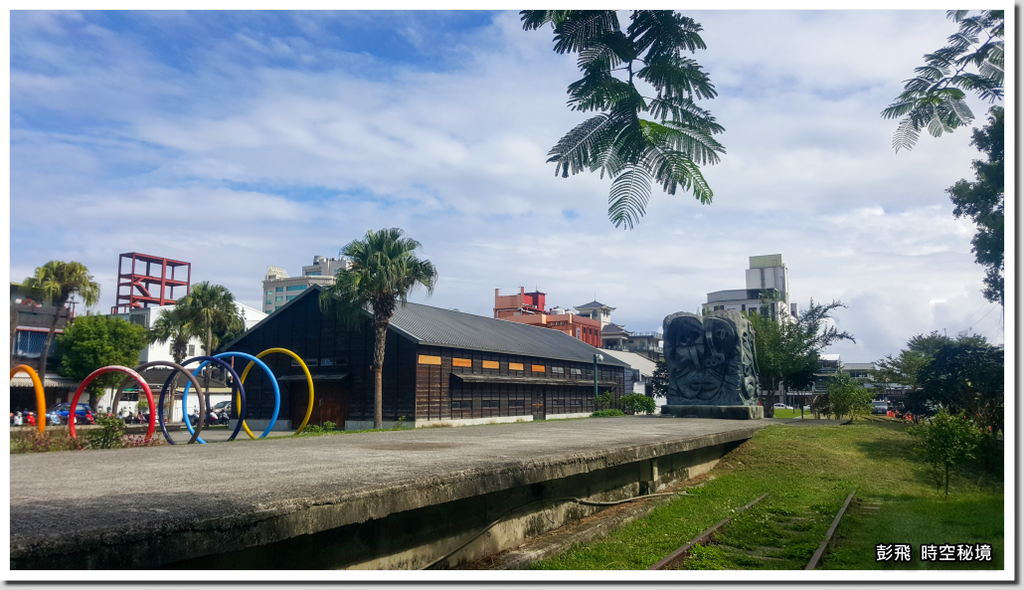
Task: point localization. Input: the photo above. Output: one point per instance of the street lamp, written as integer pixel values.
(597, 357)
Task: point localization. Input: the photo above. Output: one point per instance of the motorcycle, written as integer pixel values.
(30, 418)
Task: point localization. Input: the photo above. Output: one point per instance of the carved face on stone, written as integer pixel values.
(720, 348)
(710, 359)
(684, 339)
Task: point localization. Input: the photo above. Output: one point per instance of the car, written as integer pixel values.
(782, 407)
(879, 407)
(219, 406)
(83, 413)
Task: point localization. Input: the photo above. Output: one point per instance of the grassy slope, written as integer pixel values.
(809, 470)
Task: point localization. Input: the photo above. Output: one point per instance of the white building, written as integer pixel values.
(767, 284)
(279, 288)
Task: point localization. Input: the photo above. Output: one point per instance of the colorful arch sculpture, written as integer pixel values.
(184, 395)
(113, 369)
(309, 381)
(40, 397)
(266, 369)
(160, 408)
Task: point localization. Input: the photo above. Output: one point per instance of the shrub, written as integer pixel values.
(607, 401)
(110, 435)
(607, 413)
(637, 403)
(946, 441)
(53, 439)
(847, 397)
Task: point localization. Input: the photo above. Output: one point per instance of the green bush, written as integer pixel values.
(607, 413)
(637, 403)
(946, 442)
(110, 435)
(847, 397)
(53, 439)
(607, 401)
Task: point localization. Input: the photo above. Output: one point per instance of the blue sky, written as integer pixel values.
(238, 140)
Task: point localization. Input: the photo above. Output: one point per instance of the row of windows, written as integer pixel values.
(512, 403)
(426, 359)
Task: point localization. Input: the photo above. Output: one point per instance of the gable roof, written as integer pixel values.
(637, 361)
(592, 305)
(434, 326)
(612, 328)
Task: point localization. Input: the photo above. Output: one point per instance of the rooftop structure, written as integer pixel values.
(528, 308)
(767, 286)
(154, 286)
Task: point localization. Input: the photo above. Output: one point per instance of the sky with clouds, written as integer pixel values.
(238, 140)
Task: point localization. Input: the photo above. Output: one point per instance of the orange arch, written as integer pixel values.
(40, 398)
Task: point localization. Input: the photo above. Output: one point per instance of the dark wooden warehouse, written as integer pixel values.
(440, 367)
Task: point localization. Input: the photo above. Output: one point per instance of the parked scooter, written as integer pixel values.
(30, 418)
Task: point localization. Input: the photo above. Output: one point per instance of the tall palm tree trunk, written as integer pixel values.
(59, 305)
(380, 328)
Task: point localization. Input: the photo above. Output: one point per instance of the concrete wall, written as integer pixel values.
(431, 536)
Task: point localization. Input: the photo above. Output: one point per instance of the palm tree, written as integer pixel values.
(174, 325)
(635, 152)
(384, 270)
(56, 282)
(209, 309)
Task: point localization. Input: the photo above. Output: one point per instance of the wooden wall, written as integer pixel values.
(412, 389)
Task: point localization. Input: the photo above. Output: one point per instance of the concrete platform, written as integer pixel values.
(180, 506)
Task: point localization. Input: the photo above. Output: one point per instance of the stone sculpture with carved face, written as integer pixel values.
(710, 359)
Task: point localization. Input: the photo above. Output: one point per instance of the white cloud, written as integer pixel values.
(238, 155)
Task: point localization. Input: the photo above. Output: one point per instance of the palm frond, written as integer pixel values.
(673, 170)
(582, 145)
(663, 32)
(684, 111)
(598, 91)
(628, 197)
(695, 145)
(906, 135)
(581, 27)
(676, 76)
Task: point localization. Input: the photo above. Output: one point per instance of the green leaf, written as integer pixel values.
(627, 200)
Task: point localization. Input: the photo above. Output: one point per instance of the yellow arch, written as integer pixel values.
(41, 399)
(309, 380)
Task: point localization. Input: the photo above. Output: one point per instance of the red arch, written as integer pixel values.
(114, 369)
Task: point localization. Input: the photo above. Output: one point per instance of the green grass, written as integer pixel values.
(809, 471)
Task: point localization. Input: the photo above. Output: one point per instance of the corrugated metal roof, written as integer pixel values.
(23, 380)
(455, 329)
(445, 327)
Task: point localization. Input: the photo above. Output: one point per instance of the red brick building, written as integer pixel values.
(528, 308)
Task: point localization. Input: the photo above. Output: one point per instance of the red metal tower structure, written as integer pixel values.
(146, 288)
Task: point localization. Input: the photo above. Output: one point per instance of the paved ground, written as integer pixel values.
(80, 500)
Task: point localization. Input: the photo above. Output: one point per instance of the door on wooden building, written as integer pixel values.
(330, 399)
(539, 400)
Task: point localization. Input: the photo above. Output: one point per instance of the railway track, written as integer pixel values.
(677, 559)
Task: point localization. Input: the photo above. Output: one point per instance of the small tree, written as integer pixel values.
(96, 341)
(946, 441)
(636, 403)
(659, 380)
(847, 397)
